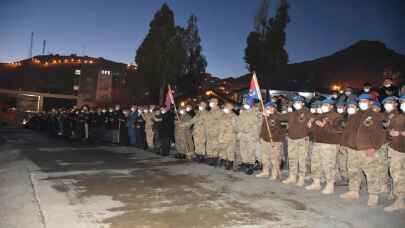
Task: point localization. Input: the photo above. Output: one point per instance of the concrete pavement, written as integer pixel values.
(79, 185)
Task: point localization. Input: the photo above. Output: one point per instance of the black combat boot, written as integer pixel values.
(257, 166)
(228, 165)
(213, 161)
(220, 163)
(249, 169)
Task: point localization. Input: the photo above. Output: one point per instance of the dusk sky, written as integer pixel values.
(115, 29)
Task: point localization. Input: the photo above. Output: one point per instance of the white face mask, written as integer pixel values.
(117, 108)
(182, 112)
(389, 107)
(363, 106)
(151, 110)
(351, 111)
(110, 110)
(366, 90)
(145, 111)
(402, 107)
(334, 96)
(289, 109)
(297, 106)
(227, 110)
(312, 110)
(163, 111)
(212, 104)
(201, 108)
(188, 109)
(340, 110)
(104, 111)
(387, 85)
(133, 109)
(246, 106)
(325, 109)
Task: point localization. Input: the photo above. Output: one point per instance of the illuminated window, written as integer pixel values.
(78, 72)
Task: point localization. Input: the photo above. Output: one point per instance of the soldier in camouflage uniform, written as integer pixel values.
(297, 141)
(326, 129)
(396, 152)
(271, 145)
(227, 138)
(149, 127)
(183, 137)
(213, 132)
(248, 135)
(199, 131)
(342, 172)
(391, 110)
(364, 135)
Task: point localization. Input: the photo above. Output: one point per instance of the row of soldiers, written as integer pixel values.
(330, 140)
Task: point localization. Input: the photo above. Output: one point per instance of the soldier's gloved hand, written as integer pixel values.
(309, 124)
(394, 133)
(370, 152)
(319, 123)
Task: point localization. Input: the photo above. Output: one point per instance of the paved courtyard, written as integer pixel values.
(48, 182)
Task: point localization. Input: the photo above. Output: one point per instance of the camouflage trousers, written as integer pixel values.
(371, 166)
(227, 151)
(149, 137)
(184, 143)
(384, 173)
(323, 162)
(199, 143)
(341, 166)
(213, 146)
(397, 169)
(270, 154)
(247, 148)
(297, 156)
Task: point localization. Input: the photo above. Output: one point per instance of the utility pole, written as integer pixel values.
(31, 45)
(43, 47)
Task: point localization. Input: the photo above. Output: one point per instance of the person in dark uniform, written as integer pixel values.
(123, 129)
(139, 126)
(164, 129)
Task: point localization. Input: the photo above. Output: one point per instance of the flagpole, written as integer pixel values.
(177, 114)
(261, 102)
(174, 103)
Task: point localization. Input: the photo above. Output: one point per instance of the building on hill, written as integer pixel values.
(96, 81)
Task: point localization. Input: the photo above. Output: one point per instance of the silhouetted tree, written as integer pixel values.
(276, 54)
(265, 46)
(196, 63)
(262, 17)
(161, 56)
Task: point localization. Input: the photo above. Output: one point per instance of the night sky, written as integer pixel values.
(115, 29)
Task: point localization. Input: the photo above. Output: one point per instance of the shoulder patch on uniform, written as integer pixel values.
(368, 121)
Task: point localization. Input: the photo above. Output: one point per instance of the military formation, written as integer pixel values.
(341, 138)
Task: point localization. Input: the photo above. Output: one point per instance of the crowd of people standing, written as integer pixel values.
(343, 137)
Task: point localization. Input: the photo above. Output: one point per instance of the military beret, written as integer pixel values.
(390, 99)
(351, 102)
(270, 104)
(340, 103)
(364, 96)
(376, 104)
(315, 104)
(328, 101)
(298, 99)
